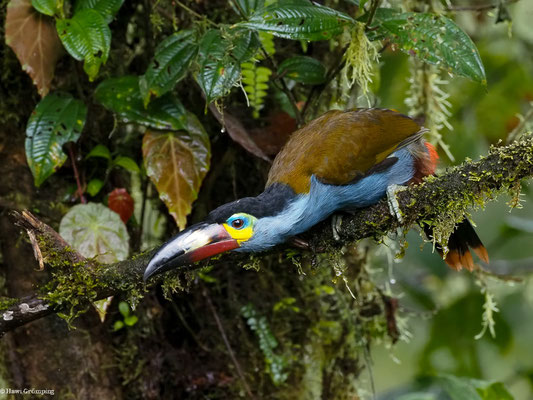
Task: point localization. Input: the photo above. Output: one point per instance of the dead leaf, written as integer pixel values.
(238, 132)
(33, 38)
(177, 163)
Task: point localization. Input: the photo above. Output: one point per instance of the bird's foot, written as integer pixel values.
(336, 222)
(394, 206)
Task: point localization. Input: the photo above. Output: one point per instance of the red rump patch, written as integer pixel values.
(425, 164)
(433, 157)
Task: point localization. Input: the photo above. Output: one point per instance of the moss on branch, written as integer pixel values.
(440, 201)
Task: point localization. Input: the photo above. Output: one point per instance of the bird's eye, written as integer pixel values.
(237, 223)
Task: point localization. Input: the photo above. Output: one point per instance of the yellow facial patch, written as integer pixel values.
(240, 227)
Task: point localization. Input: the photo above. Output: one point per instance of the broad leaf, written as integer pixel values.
(299, 20)
(34, 39)
(87, 37)
(171, 63)
(127, 163)
(99, 151)
(432, 38)
(96, 231)
(108, 8)
(220, 60)
(123, 97)
(303, 69)
(47, 7)
(57, 119)
(94, 186)
(121, 202)
(177, 163)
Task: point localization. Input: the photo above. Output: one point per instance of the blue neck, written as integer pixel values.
(306, 210)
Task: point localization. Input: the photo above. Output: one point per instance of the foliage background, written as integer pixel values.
(293, 335)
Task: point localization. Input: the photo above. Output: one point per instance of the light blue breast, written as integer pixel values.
(323, 200)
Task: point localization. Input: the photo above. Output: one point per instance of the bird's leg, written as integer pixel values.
(394, 206)
(336, 222)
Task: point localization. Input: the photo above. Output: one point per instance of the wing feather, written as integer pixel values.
(339, 146)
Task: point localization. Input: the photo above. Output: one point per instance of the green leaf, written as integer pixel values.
(127, 163)
(303, 69)
(87, 37)
(220, 60)
(462, 388)
(107, 8)
(47, 7)
(123, 97)
(118, 325)
(57, 119)
(96, 231)
(131, 320)
(170, 64)
(299, 20)
(248, 7)
(99, 151)
(124, 308)
(434, 39)
(94, 186)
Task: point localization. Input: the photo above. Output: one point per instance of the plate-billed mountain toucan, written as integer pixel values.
(341, 161)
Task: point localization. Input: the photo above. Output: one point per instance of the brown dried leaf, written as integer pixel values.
(238, 132)
(33, 38)
(177, 163)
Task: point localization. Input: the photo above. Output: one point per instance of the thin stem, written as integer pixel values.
(228, 346)
(77, 176)
(516, 131)
(373, 7)
(192, 12)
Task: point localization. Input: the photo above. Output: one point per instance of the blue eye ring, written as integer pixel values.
(238, 222)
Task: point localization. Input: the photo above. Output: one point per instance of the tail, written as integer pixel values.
(463, 238)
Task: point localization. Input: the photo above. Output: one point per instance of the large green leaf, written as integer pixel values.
(303, 69)
(57, 119)
(47, 7)
(177, 163)
(434, 39)
(96, 231)
(220, 60)
(123, 97)
(170, 64)
(108, 8)
(87, 37)
(299, 20)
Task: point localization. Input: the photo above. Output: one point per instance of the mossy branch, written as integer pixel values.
(440, 201)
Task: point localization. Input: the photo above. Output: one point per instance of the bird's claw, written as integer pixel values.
(336, 222)
(392, 200)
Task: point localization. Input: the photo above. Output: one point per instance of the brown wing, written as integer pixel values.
(341, 145)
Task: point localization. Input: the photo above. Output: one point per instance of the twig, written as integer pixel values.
(516, 131)
(192, 12)
(373, 8)
(227, 343)
(76, 175)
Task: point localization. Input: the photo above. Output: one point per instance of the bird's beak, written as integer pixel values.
(193, 244)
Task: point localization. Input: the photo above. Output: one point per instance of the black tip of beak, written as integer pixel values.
(159, 264)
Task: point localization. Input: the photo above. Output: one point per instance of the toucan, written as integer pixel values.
(340, 161)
